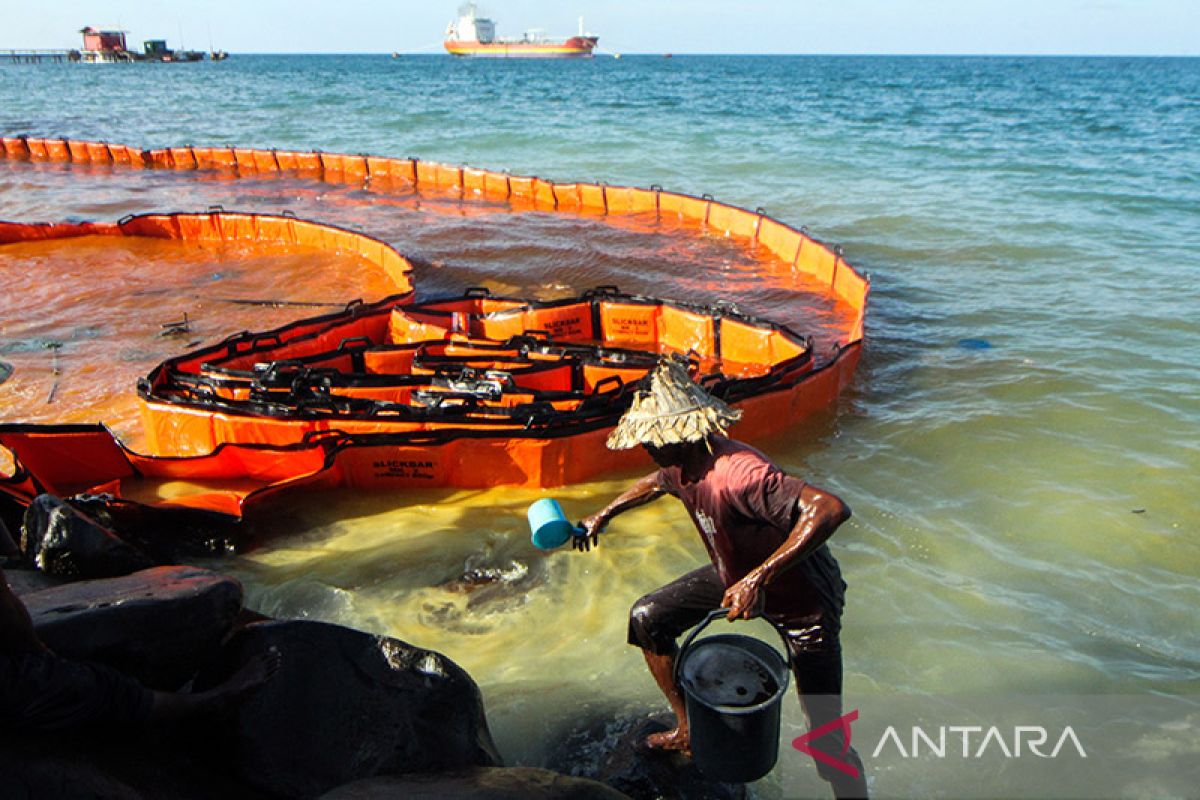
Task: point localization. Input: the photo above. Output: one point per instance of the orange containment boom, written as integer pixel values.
(795, 250)
(471, 391)
(224, 226)
(66, 460)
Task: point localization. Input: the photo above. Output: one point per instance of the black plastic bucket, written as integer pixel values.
(733, 687)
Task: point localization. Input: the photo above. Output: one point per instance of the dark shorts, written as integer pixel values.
(657, 620)
(46, 692)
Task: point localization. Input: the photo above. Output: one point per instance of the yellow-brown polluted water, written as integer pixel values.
(455, 571)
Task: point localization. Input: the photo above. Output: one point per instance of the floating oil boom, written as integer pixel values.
(468, 391)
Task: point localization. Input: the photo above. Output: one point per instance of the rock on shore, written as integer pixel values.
(157, 624)
(64, 542)
(101, 536)
(481, 783)
(126, 767)
(609, 749)
(347, 705)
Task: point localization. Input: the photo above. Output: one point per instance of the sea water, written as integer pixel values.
(1020, 445)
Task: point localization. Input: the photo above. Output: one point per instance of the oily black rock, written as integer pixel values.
(611, 750)
(64, 542)
(27, 774)
(168, 536)
(24, 579)
(347, 705)
(480, 783)
(157, 625)
(122, 765)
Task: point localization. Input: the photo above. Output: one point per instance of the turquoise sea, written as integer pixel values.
(1021, 446)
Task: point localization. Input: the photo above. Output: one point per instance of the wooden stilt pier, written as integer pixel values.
(38, 56)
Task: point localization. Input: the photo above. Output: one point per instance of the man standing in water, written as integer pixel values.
(765, 532)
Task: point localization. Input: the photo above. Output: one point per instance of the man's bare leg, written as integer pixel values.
(663, 670)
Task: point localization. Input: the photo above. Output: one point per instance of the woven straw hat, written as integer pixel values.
(675, 410)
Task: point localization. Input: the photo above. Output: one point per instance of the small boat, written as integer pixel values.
(475, 36)
(157, 50)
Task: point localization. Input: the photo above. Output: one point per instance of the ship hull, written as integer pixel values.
(575, 47)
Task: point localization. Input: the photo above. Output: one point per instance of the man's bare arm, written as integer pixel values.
(821, 513)
(643, 491)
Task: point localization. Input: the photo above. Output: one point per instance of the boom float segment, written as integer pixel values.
(795, 249)
(223, 226)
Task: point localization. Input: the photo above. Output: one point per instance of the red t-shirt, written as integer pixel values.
(744, 507)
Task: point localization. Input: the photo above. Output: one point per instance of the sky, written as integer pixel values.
(1033, 27)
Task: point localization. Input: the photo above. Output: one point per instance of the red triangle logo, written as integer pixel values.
(804, 743)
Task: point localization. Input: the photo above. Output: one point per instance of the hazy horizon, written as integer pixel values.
(1169, 28)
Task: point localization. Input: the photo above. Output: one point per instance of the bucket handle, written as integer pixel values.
(713, 615)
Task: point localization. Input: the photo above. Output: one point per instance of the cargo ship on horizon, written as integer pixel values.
(474, 36)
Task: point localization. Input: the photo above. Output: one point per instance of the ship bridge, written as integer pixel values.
(470, 27)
